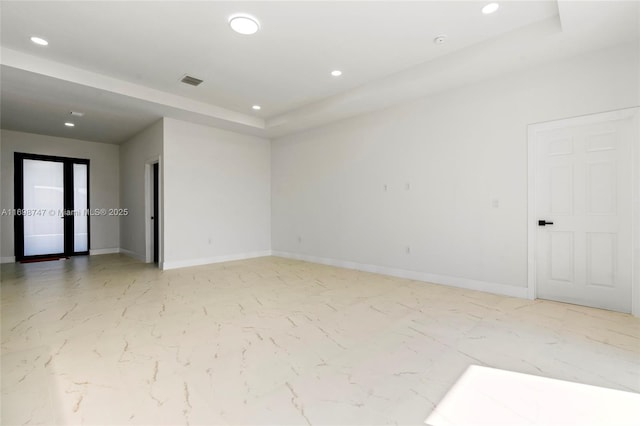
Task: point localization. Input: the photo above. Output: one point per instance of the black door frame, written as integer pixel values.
(155, 170)
(69, 219)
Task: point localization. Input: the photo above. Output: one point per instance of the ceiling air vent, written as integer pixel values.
(187, 79)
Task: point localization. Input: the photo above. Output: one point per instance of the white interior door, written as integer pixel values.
(583, 185)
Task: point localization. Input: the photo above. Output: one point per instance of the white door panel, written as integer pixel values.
(583, 184)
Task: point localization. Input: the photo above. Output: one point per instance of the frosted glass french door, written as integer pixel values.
(81, 208)
(43, 209)
(51, 206)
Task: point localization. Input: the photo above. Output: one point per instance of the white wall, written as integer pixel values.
(145, 147)
(103, 181)
(217, 195)
(463, 155)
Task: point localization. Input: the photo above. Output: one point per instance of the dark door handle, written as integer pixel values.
(544, 223)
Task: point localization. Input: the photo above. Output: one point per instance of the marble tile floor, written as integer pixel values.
(111, 341)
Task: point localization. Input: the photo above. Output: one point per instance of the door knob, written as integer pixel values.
(544, 223)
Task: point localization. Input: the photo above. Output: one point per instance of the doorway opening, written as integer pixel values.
(51, 198)
(153, 212)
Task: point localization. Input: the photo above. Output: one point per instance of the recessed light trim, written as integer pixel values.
(336, 73)
(256, 107)
(490, 8)
(39, 41)
(441, 39)
(69, 124)
(244, 24)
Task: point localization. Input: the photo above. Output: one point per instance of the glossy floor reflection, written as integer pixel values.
(488, 396)
(108, 340)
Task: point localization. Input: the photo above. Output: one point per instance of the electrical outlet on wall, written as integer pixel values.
(299, 239)
(407, 249)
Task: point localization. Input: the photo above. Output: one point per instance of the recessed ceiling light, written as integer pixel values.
(336, 73)
(244, 24)
(69, 124)
(77, 113)
(40, 41)
(441, 39)
(257, 107)
(490, 8)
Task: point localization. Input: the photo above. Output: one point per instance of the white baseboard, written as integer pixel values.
(466, 283)
(104, 251)
(133, 254)
(209, 260)
(8, 259)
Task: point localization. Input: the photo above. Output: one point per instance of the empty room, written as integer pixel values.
(320, 212)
